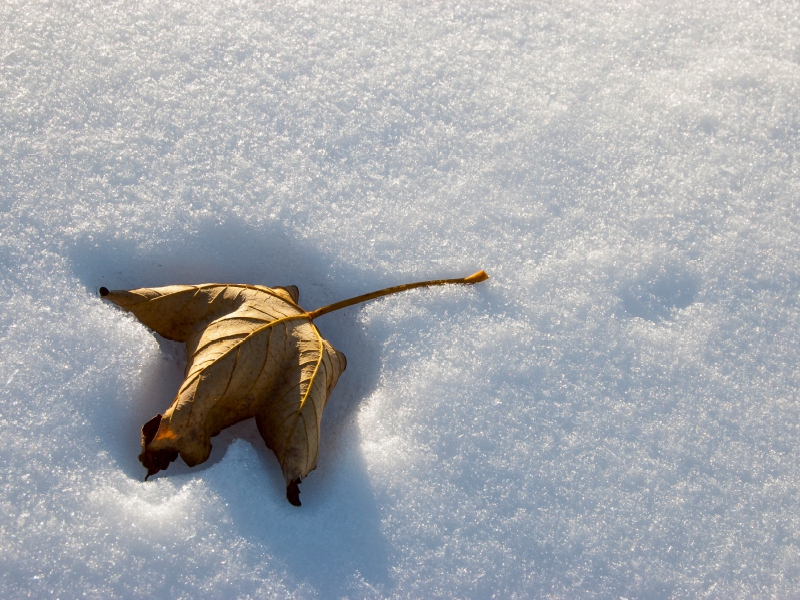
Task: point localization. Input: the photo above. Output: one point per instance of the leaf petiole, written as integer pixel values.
(474, 278)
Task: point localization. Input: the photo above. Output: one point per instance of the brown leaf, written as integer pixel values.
(251, 352)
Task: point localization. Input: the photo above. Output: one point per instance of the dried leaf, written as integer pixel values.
(251, 352)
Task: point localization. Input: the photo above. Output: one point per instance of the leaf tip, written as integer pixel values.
(293, 492)
(158, 460)
(476, 277)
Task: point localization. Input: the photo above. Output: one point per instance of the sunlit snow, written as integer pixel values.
(613, 414)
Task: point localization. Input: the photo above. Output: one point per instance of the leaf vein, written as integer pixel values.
(243, 340)
(307, 392)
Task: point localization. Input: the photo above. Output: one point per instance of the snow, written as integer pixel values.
(613, 414)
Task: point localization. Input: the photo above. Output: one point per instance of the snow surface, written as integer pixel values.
(613, 414)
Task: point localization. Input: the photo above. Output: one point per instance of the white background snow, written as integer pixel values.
(613, 414)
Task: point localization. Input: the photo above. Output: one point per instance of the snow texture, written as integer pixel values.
(614, 414)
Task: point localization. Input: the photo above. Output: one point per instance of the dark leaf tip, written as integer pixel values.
(293, 492)
(158, 460)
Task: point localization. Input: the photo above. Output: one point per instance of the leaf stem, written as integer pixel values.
(474, 278)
